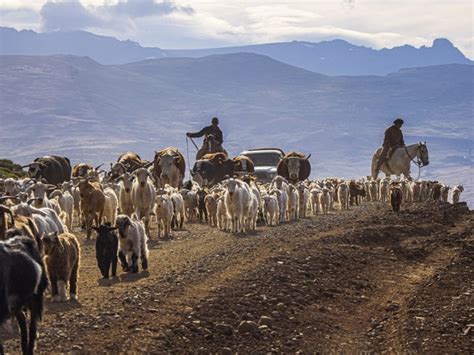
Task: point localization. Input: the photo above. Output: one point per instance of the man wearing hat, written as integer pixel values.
(212, 129)
(393, 138)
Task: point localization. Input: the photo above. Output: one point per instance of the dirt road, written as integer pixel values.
(352, 281)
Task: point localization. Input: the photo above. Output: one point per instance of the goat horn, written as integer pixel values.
(4, 198)
(98, 167)
(5, 209)
(30, 201)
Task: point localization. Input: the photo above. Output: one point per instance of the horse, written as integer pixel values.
(209, 145)
(399, 161)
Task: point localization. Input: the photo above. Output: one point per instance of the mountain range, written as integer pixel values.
(335, 57)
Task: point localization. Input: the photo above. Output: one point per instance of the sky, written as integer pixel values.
(214, 23)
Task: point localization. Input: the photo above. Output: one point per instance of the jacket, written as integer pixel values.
(393, 137)
(214, 130)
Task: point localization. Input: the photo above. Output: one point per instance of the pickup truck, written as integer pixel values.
(265, 161)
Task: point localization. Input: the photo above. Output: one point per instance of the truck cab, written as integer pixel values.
(265, 161)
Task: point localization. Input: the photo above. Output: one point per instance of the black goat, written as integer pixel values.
(106, 248)
(202, 205)
(23, 281)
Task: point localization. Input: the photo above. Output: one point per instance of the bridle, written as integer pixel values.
(418, 162)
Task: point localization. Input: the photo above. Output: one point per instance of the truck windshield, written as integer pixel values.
(264, 159)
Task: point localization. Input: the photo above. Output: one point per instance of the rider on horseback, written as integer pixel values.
(393, 139)
(212, 130)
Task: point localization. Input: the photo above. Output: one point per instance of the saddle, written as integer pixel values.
(392, 150)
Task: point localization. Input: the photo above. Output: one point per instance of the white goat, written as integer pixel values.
(271, 210)
(164, 215)
(457, 193)
(143, 196)
(133, 243)
(66, 201)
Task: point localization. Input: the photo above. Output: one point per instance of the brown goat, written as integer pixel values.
(396, 197)
(62, 256)
(92, 203)
(18, 225)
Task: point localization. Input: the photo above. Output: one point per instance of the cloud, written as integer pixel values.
(67, 15)
(73, 15)
(144, 8)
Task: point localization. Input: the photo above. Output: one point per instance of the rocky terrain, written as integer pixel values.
(363, 280)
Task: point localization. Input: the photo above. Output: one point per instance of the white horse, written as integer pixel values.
(399, 161)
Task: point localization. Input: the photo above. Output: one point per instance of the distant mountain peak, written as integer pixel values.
(443, 42)
(329, 57)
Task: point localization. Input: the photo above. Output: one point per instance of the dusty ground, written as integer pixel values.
(364, 280)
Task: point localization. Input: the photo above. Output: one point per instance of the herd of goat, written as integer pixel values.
(37, 216)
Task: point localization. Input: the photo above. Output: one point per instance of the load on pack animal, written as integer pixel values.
(212, 169)
(53, 169)
(127, 162)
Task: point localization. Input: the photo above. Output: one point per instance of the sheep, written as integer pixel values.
(280, 183)
(314, 200)
(444, 193)
(222, 216)
(404, 185)
(178, 210)
(132, 244)
(396, 197)
(384, 190)
(343, 196)
(252, 213)
(23, 282)
(293, 203)
(106, 248)
(373, 191)
(282, 197)
(62, 257)
(237, 199)
(415, 191)
(190, 203)
(303, 193)
(457, 193)
(324, 200)
(66, 202)
(210, 202)
(126, 202)
(76, 195)
(92, 203)
(164, 215)
(110, 205)
(271, 210)
(143, 196)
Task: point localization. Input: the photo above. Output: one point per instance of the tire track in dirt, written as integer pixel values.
(333, 274)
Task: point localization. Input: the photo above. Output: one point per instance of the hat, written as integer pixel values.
(398, 121)
(215, 120)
